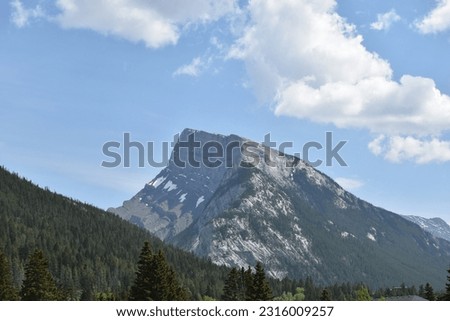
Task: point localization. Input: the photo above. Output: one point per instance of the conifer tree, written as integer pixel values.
(232, 289)
(325, 296)
(38, 284)
(261, 288)
(7, 291)
(429, 293)
(160, 280)
(155, 279)
(421, 291)
(141, 289)
(247, 284)
(446, 296)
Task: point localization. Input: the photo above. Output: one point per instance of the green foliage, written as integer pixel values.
(232, 288)
(155, 279)
(429, 292)
(299, 295)
(7, 290)
(363, 294)
(141, 289)
(248, 285)
(446, 296)
(326, 296)
(244, 285)
(38, 284)
(261, 288)
(105, 296)
(89, 251)
(238, 285)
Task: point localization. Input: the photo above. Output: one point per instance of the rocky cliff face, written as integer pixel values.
(282, 212)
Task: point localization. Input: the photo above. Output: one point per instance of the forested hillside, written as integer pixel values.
(88, 249)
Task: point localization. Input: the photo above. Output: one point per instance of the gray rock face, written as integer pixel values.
(294, 219)
(436, 226)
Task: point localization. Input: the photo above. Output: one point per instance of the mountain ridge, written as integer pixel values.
(436, 225)
(290, 216)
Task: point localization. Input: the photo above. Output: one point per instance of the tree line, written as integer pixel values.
(156, 280)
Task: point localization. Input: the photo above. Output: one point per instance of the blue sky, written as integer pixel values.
(75, 74)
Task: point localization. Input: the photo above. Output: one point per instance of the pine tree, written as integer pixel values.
(141, 289)
(325, 296)
(7, 291)
(155, 279)
(160, 280)
(38, 284)
(446, 296)
(247, 284)
(429, 293)
(232, 288)
(422, 291)
(261, 288)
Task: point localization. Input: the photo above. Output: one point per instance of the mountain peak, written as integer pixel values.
(436, 226)
(288, 215)
(204, 136)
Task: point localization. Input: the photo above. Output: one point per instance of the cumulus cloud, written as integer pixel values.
(437, 20)
(21, 16)
(398, 149)
(385, 20)
(156, 23)
(313, 65)
(349, 183)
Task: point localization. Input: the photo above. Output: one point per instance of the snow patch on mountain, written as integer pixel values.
(170, 186)
(200, 200)
(157, 181)
(183, 197)
(371, 237)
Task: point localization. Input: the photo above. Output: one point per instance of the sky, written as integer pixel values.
(75, 74)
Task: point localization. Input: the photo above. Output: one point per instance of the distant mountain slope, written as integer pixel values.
(88, 249)
(436, 226)
(293, 218)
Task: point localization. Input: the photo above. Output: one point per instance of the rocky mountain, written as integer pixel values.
(260, 205)
(436, 226)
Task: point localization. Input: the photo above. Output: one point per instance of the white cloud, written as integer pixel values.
(193, 69)
(22, 16)
(385, 20)
(349, 183)
(376, 146)
(156, 23)
(398, 149)
(311, 64)
(437, 20)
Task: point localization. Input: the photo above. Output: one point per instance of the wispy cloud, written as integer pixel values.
(438, 20)
(21, 16)
(385, 20)
(192, 69)
(320, 70)
(349, 184)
